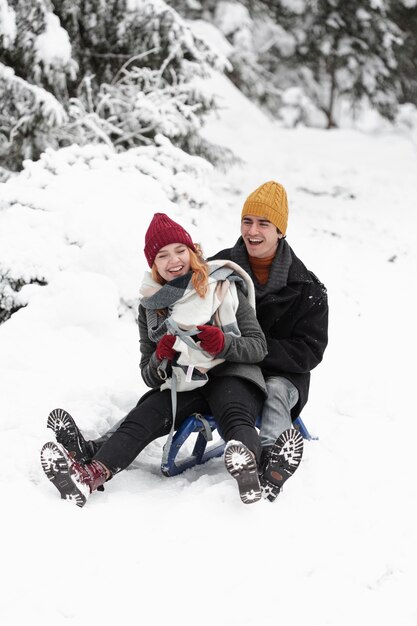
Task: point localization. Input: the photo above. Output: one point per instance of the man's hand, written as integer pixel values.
(164, 348)
(211, 339)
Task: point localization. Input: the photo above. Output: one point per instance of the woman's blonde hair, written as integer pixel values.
(199, 270)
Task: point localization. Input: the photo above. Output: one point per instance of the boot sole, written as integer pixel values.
(241, 464)
(55, 465)
(67, 434)
(285, 457)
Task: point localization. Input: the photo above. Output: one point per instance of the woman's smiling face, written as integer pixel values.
(172, 261)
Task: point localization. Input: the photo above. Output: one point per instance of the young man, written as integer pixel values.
(292, 310)
(291, 305)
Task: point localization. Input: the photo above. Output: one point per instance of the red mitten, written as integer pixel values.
(164, 348)
(211, 338)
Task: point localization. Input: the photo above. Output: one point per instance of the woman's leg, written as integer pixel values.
(235, 404)
(69, 435)
(149, 420)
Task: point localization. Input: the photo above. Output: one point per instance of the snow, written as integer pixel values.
(7, 24)
(53, 46)
(213, 37)
(339, 545)
(296, 6)
(231, 17)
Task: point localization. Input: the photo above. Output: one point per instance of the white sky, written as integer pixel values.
(339, 545)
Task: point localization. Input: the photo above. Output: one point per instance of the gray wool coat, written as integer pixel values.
(240, 353)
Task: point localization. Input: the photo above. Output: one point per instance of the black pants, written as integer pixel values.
(233, 402)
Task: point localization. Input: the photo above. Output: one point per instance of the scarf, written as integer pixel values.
(278, 273)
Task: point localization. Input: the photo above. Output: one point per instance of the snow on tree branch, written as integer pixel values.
(28, 115)
(7, 25)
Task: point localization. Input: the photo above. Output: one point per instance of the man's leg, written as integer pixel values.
(276, 412)
(149, 420)
(282, 445)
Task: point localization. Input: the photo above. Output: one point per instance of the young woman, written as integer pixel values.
(200, 342)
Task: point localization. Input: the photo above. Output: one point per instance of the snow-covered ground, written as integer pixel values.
(339, 545)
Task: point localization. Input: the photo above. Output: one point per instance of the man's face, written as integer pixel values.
(260, 236)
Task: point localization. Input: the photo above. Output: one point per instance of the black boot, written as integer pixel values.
(241, 464)
(68, 435)
(265, 454)
(283, 459)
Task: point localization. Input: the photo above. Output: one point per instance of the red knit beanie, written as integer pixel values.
(162, 231)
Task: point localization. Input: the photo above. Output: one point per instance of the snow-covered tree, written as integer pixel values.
(148, 33)
(340, 50)
(30, 118)
(35, 65)
(346, 49)
(307, 55)
(35, 45)
(139, 62)
(122, 70)
(404, 14)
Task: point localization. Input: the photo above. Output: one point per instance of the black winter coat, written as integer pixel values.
(294, 319)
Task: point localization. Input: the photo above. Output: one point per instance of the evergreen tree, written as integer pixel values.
(37, 47)
(348, 50)
(30, 118)
(244, 31)
(33, 78)
(325, 50)
(404, 14)
(118, 71)
(148, 32)
(342, 50)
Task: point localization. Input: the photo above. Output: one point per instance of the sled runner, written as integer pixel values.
(204, 426)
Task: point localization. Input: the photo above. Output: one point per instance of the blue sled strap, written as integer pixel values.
(204, 427)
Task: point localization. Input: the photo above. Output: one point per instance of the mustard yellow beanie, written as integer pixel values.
(269, 201)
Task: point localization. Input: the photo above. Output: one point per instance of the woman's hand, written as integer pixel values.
(211, 339)
(164, 349)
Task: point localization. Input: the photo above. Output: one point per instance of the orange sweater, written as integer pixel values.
(261, 267)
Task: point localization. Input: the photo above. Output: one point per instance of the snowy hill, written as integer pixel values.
(339, 545)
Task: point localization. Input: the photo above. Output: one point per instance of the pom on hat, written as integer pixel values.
(269, 201)
(162, 231)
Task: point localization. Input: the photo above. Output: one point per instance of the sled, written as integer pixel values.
(204, 426)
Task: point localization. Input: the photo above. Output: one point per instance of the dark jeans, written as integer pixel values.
(233, 402)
